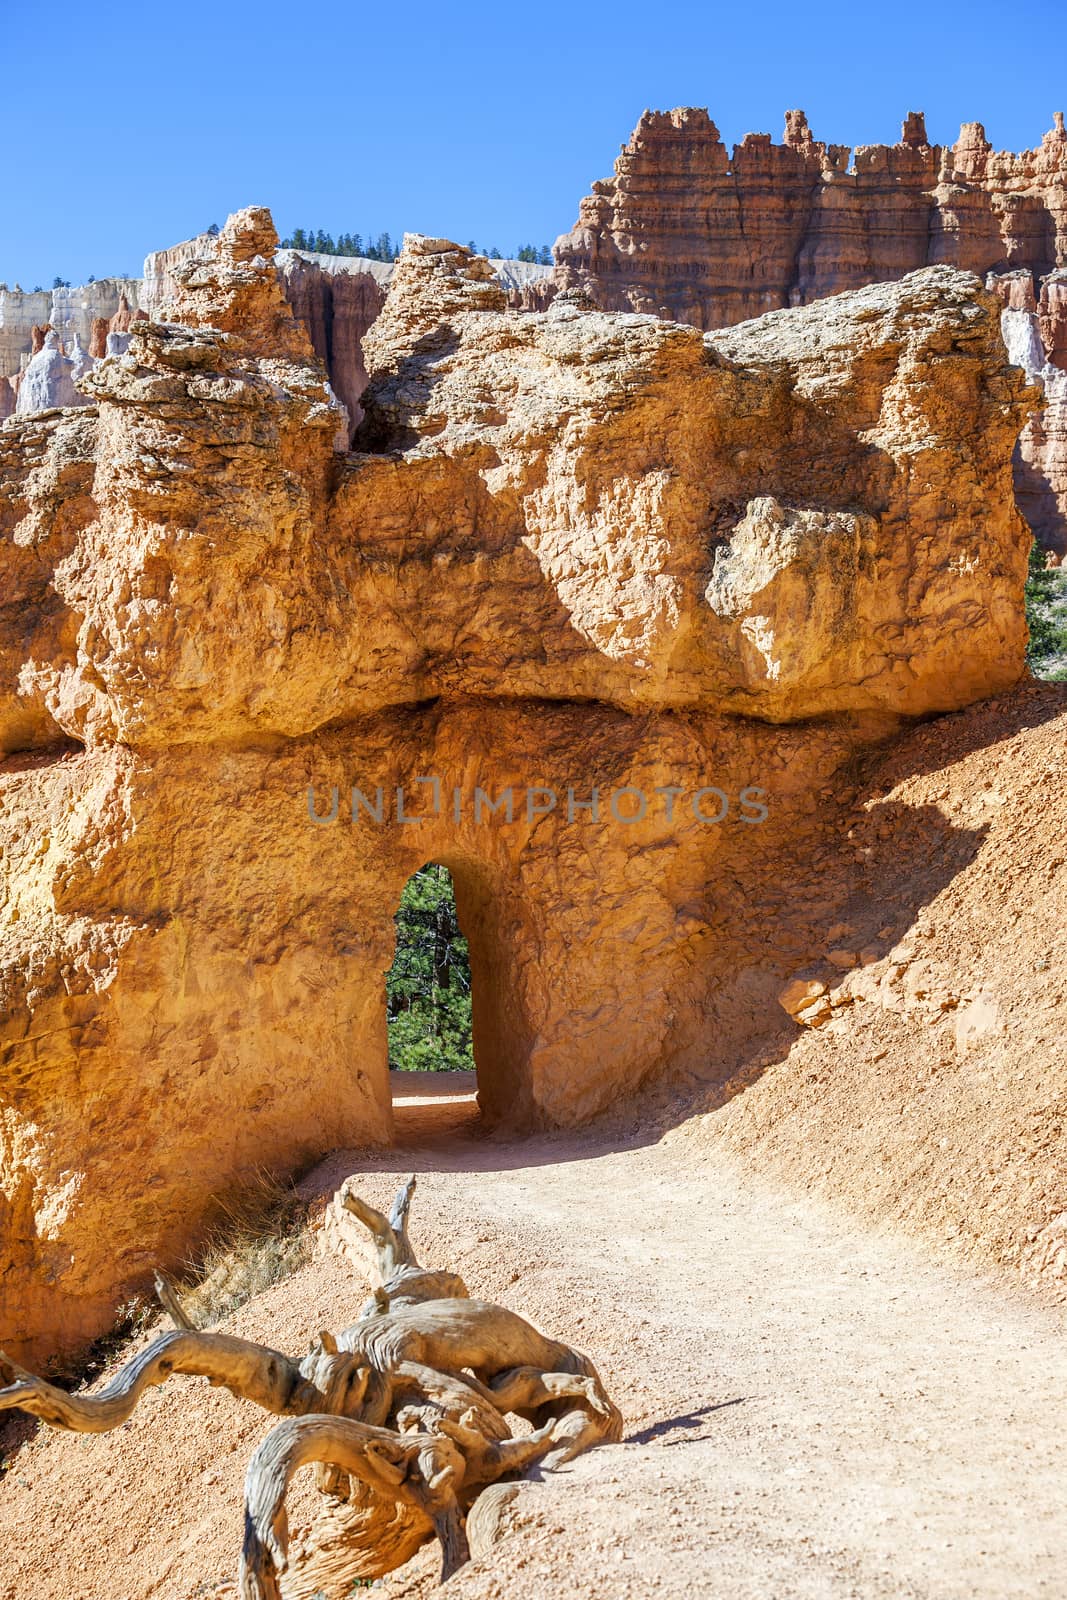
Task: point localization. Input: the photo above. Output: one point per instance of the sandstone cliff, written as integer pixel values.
(571, 551)
(336, 298)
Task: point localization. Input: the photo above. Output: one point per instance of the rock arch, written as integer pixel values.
(570, 550)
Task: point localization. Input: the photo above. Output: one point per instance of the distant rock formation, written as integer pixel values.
(75, 309)
(122, 321)
(81, 361)
(48, 381)
(20, 312)
(1052, 315)
(158, 284)
(686, 231)
(336, 298)
(98, 336)
(1035, 333)
(70, 312)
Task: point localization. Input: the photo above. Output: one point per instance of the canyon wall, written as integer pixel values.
(336, 298)
(644, 590)
(20, 312)
(1035, 333)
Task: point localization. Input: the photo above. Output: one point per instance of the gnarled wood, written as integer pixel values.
(167, 1296)
(390, 1233)
(417, 1470)
(404, 1415)
(404, 1281)
(250, 1371)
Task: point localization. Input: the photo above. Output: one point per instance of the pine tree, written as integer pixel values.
(428, 996)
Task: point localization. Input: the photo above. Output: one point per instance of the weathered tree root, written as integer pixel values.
(404, 1415)
(419, 1470)
(250, 1371)
(404, 1282)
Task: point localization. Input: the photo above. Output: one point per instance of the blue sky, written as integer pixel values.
(130, 130)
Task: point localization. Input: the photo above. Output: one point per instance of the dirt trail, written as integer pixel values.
(811, 1411)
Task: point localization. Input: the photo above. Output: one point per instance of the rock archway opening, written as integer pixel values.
(428, 992)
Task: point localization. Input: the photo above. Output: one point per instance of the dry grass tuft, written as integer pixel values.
(261, 1237)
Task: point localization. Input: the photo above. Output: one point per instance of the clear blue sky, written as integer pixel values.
(131, 129)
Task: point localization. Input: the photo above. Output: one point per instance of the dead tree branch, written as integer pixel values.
(405, 1416)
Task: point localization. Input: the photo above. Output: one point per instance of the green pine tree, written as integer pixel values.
(428, 987)
(1046, 617)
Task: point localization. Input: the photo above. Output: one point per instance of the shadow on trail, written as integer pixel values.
(688, 1421)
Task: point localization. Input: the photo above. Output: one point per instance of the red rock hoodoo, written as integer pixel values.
(687, 232)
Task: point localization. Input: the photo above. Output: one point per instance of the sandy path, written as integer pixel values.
(811, 1412)
(814, 1412)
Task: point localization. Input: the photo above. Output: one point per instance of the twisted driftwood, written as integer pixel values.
(404, 1415)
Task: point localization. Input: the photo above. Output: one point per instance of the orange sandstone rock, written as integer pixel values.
(99, 330)
(572, 552)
